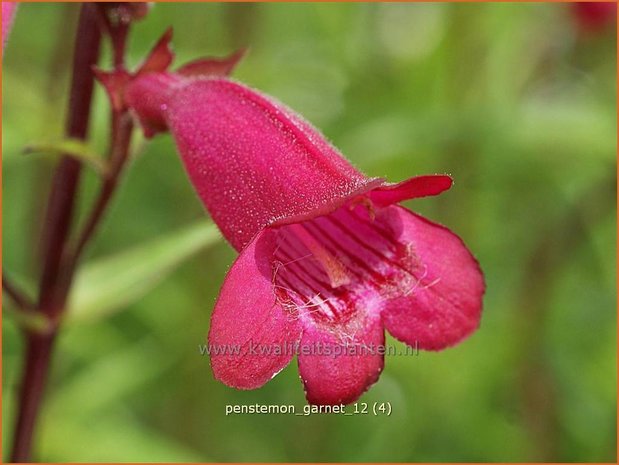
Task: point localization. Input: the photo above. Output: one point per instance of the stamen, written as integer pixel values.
(334, 269)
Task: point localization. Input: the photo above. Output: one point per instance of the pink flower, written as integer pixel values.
(328, 259)
(594, 17)
(8, 13)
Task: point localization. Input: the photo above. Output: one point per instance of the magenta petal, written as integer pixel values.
(8, 13)
(147, 98)
(445, 305)
(337, 367)
(251, 336)
(419, 186)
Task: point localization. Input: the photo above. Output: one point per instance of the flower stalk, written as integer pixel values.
(60, 256)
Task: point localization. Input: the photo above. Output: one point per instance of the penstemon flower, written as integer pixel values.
(594, 17)
(8, 13)
(328, 259)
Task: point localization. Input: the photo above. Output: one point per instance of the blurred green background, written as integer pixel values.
(516, 101)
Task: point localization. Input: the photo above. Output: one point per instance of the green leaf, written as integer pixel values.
(74, 148)
(120, 372)
(109, 284)
(115, 436)
(27, 319)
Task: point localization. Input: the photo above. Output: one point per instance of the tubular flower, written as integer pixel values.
(327, 258)
(594, 17)
(8, 13)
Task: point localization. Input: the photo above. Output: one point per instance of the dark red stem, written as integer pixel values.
(122, 128)
(59, 259)
(38, 354)
(66, 179)
(56, 233)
